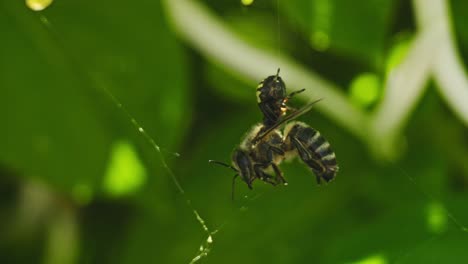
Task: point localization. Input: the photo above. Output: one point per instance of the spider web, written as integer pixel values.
(206, 245)
(207, 242)
(442, 209)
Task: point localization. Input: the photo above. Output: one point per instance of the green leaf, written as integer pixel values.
(460, 22)
(60, 70)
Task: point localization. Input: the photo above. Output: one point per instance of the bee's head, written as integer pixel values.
(272, 88)
(276, 87)
(243, 164)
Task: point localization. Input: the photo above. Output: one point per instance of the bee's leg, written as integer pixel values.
(303, 152)
(252, 175)
(308, 158)
(286, 99)
(277, 150)
(270, 180)
(279, 174)
(295, 92)
(317, 177)
(269, 114)
(291, 109)
(263, 175)
(270, 153)
(249, 184)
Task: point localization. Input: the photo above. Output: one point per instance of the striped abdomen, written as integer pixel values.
(312, 148)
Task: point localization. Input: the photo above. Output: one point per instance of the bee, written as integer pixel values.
(302, 140)
(262, 148)
(272, 99)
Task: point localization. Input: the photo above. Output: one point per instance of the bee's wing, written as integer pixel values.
(288, 118)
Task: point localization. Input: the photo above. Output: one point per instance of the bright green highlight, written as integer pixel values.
(320, 40)
(365, 89)
(397, 54)
(125, 172)
(82, 193)
(247, 2)
(436, 218)
(373, 259)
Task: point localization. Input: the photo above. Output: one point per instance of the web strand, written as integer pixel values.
(205, 248)
(430, 197)
(278, 26)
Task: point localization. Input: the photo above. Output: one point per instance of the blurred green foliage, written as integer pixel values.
(80, 183)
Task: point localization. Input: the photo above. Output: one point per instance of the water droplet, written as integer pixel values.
(285, 184)
(141, 129)
(38, 5)
(209, 240)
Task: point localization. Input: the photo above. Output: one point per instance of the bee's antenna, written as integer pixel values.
(277, 73)
(233, 184)
(223, 164)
